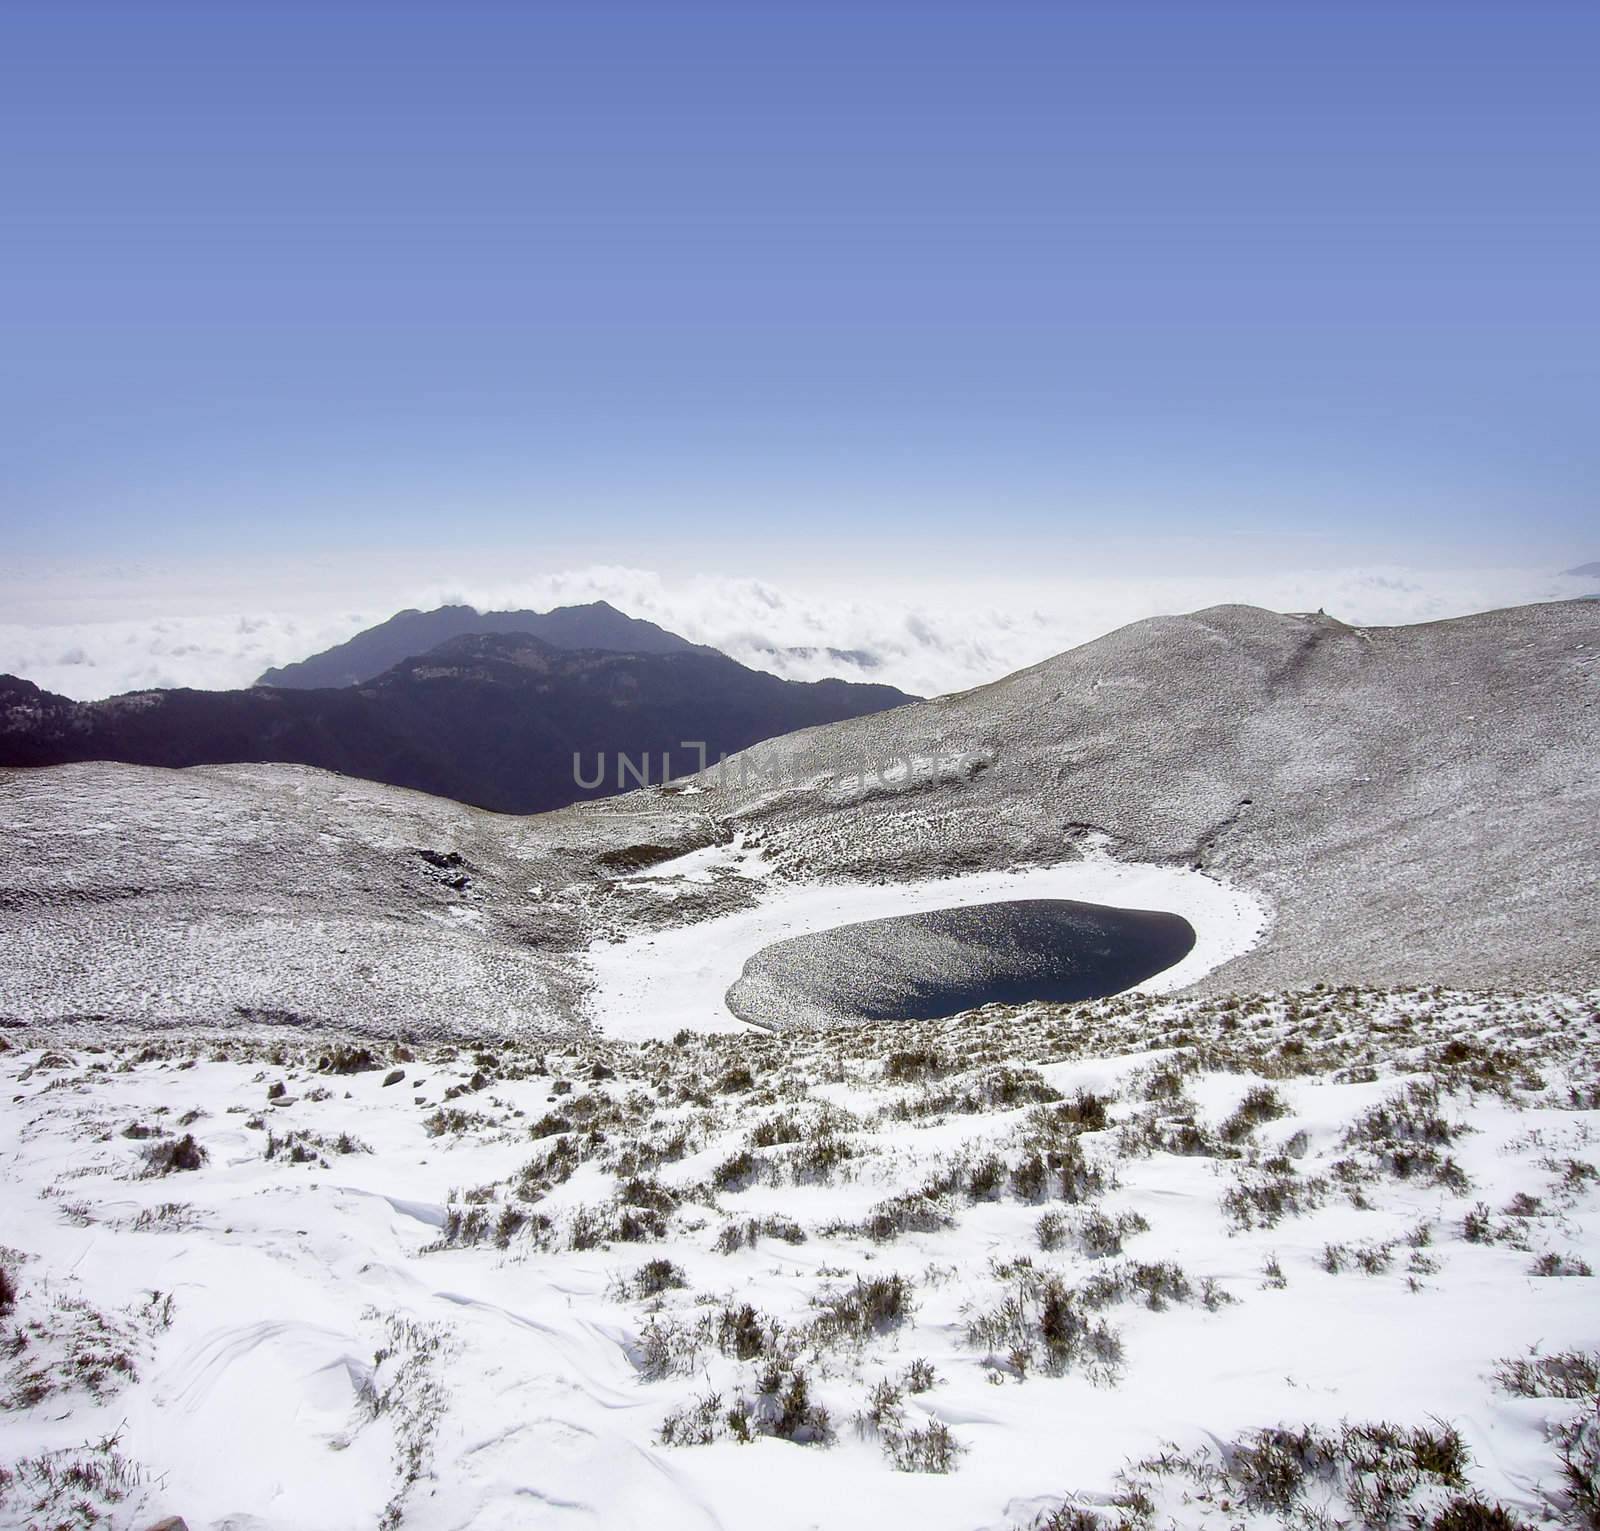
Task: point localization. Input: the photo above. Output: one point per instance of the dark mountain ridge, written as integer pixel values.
(508, 722)
(597, 625)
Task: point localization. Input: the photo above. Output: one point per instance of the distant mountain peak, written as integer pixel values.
(409, 633)
(1584, 571)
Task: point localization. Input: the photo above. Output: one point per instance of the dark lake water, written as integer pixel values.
(922, 966)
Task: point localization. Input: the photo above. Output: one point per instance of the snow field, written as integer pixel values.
(455, 1300)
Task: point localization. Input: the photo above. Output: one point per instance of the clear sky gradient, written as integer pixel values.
(756, 286)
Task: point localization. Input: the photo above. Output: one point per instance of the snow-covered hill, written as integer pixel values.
(1414, 804)
(232, 893)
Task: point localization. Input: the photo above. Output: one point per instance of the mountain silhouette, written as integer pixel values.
(597, 625)
(506, 721)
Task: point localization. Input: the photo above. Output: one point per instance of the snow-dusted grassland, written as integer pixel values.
(1295, 1259)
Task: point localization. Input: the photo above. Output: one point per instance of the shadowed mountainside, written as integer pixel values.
(598, 625)
(491, 720)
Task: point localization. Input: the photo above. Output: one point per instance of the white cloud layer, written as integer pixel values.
(927, 638)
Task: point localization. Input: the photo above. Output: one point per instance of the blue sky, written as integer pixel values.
(764, 287)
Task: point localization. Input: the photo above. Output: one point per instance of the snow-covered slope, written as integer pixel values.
(1415, 804)
(943, 1276)
(278, 892)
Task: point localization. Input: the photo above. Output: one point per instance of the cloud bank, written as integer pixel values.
(926, 638)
